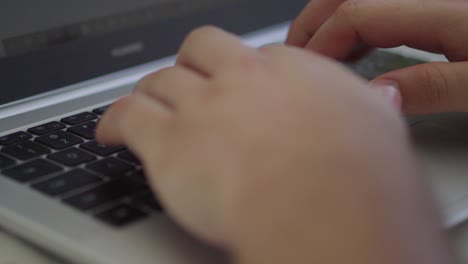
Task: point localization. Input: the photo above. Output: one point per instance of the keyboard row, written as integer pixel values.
(62, 160)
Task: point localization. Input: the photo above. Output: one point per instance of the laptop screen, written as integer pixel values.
(48, 23)
(49, 44)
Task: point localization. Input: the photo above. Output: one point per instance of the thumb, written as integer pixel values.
(430, 88)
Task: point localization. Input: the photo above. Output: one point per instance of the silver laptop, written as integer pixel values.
(63, 62)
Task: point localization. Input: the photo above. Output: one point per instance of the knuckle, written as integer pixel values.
(160, 74)
(143, 83)
(297, 25)
(248, 59)
(348, 9)
(149, 81)
(129, 113)
(201, 33)
(196, 38)
(435, 83)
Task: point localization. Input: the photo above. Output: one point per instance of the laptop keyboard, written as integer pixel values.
(62, 160)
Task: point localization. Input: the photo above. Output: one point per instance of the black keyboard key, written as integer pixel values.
(46, 128)
(101, 110)
(59, 140)
(103, 194)
(99, 149)
(86, 130)
(32, 170)
(6, 161)
(14, 138)
(72, 157)
(72, 180)
(137, 175)
(79, 118)
(121, 215)
(111, 167)
(128, 156)
(26, 150)
(148, 200)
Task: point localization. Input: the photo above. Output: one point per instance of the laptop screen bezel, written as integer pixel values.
(84, 59)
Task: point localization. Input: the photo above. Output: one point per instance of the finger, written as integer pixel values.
(176, 86)
(135, 121)
(209, 49)
(310, 20)
(430, 88)
(389, 90)
(419, 24)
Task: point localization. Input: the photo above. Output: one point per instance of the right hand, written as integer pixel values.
(336, 27)
(262, 153)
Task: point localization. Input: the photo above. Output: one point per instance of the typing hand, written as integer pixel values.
(340, 28)
(272, 152)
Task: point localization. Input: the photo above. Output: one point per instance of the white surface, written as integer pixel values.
(13, 251)
(442, 145)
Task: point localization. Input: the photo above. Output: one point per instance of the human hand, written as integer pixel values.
(340, 28)
(251, 149)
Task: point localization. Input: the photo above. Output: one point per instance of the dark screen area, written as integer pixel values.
(55, 22)
(79, 45)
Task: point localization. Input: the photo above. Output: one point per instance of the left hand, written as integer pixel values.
(346, 29)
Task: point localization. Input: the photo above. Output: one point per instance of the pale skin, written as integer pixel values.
(260, 152)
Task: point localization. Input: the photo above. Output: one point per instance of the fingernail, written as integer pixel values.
(388, 89)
